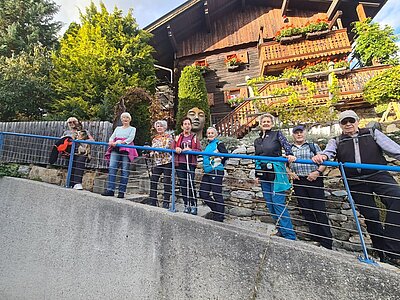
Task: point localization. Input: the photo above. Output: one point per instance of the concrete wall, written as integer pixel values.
(66, 244)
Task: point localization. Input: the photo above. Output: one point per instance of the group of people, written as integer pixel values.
(275, 176)
(213, 166)
(362, 146)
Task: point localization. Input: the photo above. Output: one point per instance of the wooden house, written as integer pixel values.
(212, 32)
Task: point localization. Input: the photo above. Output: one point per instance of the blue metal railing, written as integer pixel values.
(341, 166)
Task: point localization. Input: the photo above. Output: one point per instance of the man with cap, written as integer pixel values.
(366, 146)
(309, 188)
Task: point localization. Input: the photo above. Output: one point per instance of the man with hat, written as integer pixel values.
(366, 146)
(309, 188)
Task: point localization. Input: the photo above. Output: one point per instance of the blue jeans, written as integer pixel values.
(277, 208)
(116, 159)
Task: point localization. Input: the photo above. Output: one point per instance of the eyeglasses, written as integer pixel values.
(71, 122)
(348, 120)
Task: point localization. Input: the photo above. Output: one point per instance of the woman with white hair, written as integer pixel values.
(213, 167)
(272, 174)
(119, 155)
(162, 163)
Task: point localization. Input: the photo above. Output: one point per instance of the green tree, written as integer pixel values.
(25, 24)
(374, 43)
(97, 61)
(384, 87)
(192, 92)
(25, 90)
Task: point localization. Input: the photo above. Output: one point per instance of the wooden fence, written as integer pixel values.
(37, 150)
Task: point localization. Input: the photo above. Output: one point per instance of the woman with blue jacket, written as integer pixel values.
(272, 174)
(213, 175)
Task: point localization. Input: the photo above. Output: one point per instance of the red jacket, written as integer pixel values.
(195, 147)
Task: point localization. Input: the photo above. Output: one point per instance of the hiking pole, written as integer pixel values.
(190, 180)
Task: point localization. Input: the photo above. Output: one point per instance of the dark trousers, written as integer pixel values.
(311, 199)
(212, 182)
(78, 168)
(186, 182)
(156, 172)
(385, 186)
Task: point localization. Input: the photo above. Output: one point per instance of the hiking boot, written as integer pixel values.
(193, 211)
(187, 210)
(108, 193)
(78, 186)
(121, 195)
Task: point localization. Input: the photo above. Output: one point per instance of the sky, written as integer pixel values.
(147, 11)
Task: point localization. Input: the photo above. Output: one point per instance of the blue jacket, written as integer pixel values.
(211, 163)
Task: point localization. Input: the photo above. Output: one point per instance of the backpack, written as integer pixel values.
(313, 149)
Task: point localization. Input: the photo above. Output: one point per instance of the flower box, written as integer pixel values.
(291, 39)
(316, 34)
(233, 68)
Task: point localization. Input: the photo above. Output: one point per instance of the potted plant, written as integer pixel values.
(203, 66)
(289, 33)
(317, 28)
(232, 62)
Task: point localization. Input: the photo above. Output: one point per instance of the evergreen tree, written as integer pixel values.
(192, 92)
(98, 60)
(25, 24)
(25, 89)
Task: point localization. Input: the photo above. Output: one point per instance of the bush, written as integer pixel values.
(192, 92)
(9, 170)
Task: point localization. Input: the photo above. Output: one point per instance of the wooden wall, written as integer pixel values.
(219, 79)
(37, 150)
(241, 27)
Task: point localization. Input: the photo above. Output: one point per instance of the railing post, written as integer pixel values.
(1, 145)
(366, 258)
(172, 208)
(71, 161)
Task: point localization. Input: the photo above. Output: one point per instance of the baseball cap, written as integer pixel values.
(298, 127)
(348, 114)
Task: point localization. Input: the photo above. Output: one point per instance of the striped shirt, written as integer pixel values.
(304, 152)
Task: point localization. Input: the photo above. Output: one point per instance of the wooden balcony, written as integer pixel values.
(275, 56)
(351, 85)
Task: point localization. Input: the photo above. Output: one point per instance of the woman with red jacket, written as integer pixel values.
(186, 164)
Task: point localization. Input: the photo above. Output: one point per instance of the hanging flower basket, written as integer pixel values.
(316, 34)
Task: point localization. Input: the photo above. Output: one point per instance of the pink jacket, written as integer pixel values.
(132, 153)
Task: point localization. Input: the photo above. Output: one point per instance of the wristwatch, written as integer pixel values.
(320, 172)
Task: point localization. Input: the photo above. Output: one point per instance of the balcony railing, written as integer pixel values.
(275, 56)
(351, 84)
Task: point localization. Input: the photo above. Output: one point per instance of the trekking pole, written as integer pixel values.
(187, 181)
(190, 180)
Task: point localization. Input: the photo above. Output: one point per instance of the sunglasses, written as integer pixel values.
(348, 120)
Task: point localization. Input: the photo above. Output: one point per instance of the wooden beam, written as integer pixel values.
(284, 7)
(172, 39)
(243, 4)
(335, 18)
(339, 23)
(207, 16)
(332, 8)
(361, 12)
